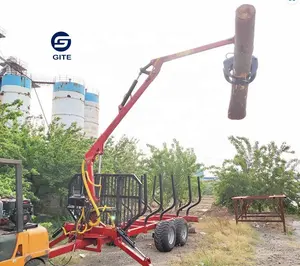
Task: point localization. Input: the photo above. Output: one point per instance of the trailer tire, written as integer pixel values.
(182, 231)
(165, 236)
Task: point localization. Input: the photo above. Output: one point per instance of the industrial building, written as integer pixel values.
(91, 114)
(71, 101)
(68, 103)
(14, 86)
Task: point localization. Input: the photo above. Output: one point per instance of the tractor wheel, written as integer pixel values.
(182, 231)
(165, 236)
(35, 262)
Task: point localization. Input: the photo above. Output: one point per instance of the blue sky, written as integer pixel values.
(189, 99)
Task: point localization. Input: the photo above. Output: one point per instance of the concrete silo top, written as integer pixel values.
(16, 80)
(68, 86)
(91, 97)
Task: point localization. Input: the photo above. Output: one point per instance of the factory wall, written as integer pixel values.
(91, 114)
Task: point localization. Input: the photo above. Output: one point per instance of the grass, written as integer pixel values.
(224, 244)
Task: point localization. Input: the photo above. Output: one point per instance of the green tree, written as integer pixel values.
(123, 156)
(9, 127)
(257, 170)
(174, 160)
(50, 158)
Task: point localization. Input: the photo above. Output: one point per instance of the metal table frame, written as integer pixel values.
(243, 203)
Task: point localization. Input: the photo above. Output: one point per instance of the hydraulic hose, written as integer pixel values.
(85, 176)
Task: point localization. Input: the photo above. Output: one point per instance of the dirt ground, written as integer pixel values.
(273, 248)
(276, 248)
(112, 256)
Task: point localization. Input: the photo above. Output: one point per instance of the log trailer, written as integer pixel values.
(114, 208)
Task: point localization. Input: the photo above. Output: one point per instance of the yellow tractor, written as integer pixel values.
(21, 242)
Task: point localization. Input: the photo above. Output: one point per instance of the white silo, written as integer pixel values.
(91, 114)
(13, 87)
(68, 103)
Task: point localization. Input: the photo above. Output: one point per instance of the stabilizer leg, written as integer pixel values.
(131, 249)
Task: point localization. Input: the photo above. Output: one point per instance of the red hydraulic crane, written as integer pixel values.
(239, 70)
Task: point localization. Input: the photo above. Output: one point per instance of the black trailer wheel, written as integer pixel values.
(165, 236)
(182, 231)
(35, 262)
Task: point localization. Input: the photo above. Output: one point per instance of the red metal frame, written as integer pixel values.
(98, 146)
(100, 235)
(139, 225)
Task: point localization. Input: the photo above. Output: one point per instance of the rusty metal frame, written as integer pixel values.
(242, 204)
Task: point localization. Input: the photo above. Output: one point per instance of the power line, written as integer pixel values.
(33, 83)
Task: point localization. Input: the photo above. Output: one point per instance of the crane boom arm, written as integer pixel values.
(98, 146)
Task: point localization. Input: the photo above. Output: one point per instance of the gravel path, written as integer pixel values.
(276, 248)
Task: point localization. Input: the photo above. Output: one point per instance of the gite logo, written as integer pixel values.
(61, 42)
